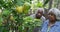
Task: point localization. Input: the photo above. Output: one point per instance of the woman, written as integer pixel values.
(53, 22)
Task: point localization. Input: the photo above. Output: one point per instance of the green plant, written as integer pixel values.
(31, 23)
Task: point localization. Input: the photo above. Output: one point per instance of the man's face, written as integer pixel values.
(39, 14)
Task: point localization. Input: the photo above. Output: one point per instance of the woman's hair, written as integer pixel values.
(56, 12)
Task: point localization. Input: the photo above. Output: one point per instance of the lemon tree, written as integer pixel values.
(12, 17)
(31, 23)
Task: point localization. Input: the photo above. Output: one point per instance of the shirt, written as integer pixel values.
(42, 18)
(53, 28)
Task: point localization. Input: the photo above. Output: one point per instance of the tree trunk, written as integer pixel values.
(50, 4)
(58, 4)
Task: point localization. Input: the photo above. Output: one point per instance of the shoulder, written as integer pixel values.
(45, 23)
(57, 26)
(43, 18)
(57, 23)
(32, 16)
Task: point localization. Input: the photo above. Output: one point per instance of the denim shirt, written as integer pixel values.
(53, 28)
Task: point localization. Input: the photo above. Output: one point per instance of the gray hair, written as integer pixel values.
(40, 9)
(56, 12)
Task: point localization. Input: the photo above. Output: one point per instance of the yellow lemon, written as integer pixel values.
(11, 18)
(26, 7)
(19, 9)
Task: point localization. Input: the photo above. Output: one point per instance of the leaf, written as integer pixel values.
(20, 28)
(20, 2)
(6, 12)
(1, 20)
(46, 2)
(39, 4)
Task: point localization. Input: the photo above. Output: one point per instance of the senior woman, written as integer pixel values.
(53, 22)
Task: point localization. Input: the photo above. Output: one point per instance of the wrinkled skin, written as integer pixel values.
(52, 18)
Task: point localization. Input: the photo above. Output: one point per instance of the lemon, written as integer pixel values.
(19, 9)
(11, 18)
(26, 7)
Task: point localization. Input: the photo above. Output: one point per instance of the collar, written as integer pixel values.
(57, 23)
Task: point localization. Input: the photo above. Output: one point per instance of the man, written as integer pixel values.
(38, 15)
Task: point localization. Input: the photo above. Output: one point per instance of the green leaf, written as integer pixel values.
(1, 20)
(39, 4)
(46, 2)
(6, 12)
(20, 2)
(20, 28)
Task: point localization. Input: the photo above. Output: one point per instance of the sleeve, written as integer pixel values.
(32, 16)
(43, 18)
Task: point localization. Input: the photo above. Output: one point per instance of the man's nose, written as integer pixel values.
(39, 14)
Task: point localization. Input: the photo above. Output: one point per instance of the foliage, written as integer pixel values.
(46, 2)
(31, 23)
(39, 4)
(13, 11)
(13, 16)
